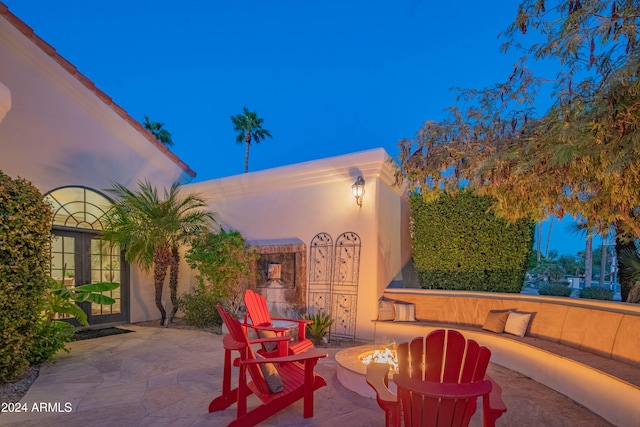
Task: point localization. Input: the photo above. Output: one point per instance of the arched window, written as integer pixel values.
(78, 207)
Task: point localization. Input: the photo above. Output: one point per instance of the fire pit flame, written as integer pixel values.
(387, 356)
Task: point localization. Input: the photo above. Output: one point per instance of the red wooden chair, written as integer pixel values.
(439, 380)
(262, 323)
(299, 380)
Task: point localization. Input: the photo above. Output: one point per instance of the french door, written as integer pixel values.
(80, 257)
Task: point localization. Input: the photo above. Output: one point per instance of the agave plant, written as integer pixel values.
(320, 326)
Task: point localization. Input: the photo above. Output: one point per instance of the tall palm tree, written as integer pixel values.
(588, 260)
(152, 229)
(156, 129)
(249, 127)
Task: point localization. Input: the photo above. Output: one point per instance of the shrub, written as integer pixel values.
(223, 263)
(458, 244)
(199, 307)
(556, 289)
(49, 339)
(25, 235)
(320, 326)
(52, 335)
(597, 293)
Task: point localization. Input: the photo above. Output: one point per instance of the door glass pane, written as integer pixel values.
(63, 265)
(105, 267)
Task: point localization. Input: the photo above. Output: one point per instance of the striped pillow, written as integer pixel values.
(404, 312)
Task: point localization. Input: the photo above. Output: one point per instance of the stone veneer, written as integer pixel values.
(279, 273)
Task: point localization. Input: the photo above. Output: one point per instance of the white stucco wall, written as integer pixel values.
(5, 101)
(302, 200)
(58, 131)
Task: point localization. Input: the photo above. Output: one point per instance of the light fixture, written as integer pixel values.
(358, 190)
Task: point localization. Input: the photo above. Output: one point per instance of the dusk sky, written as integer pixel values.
(328, 77)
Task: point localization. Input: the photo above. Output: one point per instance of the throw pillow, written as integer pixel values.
(385, 310)
(404, 312)
(268, 346)
(517, 323)
(496, 320)
(271, 376)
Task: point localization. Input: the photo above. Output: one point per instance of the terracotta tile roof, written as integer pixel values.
(71, 69)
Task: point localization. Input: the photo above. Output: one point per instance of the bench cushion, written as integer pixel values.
(385, 310)
(495, 321)
(404, 312)
(517, 323)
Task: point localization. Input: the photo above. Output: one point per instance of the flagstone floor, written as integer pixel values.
(167, 377)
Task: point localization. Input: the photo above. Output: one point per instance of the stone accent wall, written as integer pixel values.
(279, 273)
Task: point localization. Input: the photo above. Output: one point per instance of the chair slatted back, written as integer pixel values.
(442, 357)
(257, 308)
(237, 333)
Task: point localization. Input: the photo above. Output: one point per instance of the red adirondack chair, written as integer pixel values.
(299, 380)
(262, 323)
(439, 380)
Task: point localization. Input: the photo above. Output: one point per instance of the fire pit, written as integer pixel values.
(351, 367)
(386, 355)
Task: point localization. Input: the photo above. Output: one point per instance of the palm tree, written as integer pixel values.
(249, 127)
(151, 230)
(156, 129)
(582, 228)
(588, 260)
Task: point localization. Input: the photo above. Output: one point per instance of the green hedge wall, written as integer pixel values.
(459, 244)
(25, 232)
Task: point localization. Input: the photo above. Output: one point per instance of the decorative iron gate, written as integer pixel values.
(333, 280)
(320, 271)
(344, 288)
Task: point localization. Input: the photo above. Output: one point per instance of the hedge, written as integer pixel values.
(25, 232)
(458, 244)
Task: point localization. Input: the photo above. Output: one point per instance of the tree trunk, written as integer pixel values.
(624, 243)
(160, 264)
(603, 264)
(546, 249)
(246, 154)
(173, 281)
(588, 261)
(539, 240)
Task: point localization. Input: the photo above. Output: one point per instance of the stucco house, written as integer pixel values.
(66, 136)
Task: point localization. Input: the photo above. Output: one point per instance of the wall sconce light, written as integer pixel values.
(358, 190)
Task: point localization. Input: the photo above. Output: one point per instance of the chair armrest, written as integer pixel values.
(314, 353)
(495, 397)
(444, 390)
(302, 326)
(305, 321)
(230, 344)
(274, 339)
(378, 378)
(265, 328)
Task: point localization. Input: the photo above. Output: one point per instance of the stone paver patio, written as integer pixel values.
(167, 377)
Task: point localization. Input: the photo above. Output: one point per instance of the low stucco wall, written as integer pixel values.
(607, 329)
(610, 329)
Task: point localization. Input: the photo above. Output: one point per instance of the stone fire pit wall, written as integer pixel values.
(279, 273)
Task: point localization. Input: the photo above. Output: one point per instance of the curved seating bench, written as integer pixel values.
(587, 350)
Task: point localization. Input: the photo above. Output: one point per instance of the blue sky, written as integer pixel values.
(328, 77)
